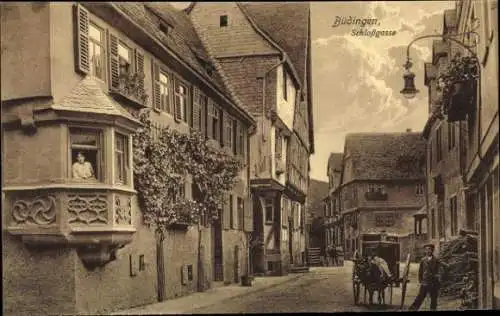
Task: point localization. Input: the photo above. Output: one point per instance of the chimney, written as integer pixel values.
(408, 130)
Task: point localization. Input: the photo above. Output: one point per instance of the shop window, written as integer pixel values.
(86, 154)
(121, 159)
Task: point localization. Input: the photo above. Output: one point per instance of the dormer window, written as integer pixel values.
(223, 20)
(164, 28)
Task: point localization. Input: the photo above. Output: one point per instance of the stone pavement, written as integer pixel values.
(215, 295)
(323, 289)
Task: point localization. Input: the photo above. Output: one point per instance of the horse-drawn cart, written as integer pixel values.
(366, 274)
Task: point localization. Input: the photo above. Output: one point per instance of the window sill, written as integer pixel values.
(71, 185)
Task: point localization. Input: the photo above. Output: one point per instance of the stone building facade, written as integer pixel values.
(382, 187)
(69, 85)
(264, 49)
(446, 151)
(476, 188)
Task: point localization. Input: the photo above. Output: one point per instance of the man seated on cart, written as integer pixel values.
(381, 264)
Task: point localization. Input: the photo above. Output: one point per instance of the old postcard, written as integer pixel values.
(249, 157)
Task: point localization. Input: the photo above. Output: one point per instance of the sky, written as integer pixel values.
(356, 79)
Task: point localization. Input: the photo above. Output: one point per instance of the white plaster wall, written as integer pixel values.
(285, 108)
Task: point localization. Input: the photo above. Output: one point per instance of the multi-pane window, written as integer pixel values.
(372, 187)
(451, 135)
(121, 158)
(86, 152)
(164, 92)
(96, 51)
(180, 101)
(124, 59)
(215, 122)
(228, 132)
(419, 189)
(269, 210)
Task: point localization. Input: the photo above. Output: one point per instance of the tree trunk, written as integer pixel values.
(160, 267)
(201, 266)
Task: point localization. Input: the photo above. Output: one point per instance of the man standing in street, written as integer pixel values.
(429, 279)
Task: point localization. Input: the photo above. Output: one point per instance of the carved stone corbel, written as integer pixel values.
(94, 256)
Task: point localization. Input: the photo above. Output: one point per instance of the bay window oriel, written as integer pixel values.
(85, 154)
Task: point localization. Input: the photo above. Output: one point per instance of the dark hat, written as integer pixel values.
(430, 246)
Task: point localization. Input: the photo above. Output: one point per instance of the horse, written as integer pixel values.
(369, 275)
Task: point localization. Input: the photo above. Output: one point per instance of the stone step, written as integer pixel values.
(299, 269)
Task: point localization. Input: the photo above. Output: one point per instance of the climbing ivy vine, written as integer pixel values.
(163, 159)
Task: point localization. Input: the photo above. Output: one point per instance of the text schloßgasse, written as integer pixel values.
(372, 33)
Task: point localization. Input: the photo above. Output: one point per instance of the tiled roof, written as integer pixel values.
(87, 96)
(335, 161)
(182, 38)
(287, 24)
(387, 156)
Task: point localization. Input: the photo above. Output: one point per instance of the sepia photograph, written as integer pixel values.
(249, 157)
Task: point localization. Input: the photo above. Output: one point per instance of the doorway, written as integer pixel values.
(218, 263)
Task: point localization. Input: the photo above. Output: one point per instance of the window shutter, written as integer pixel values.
(226, 137)
(248, 215)
(139, 68)
(203, 114)
(113, 61)
(177, 105)
(156, 86)
(81, 29)
(196, 108)
(226, 213)
(210, 110)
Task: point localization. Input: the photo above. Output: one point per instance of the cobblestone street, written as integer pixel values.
(326, 289)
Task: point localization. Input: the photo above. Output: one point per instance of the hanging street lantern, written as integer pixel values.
(409, 91)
